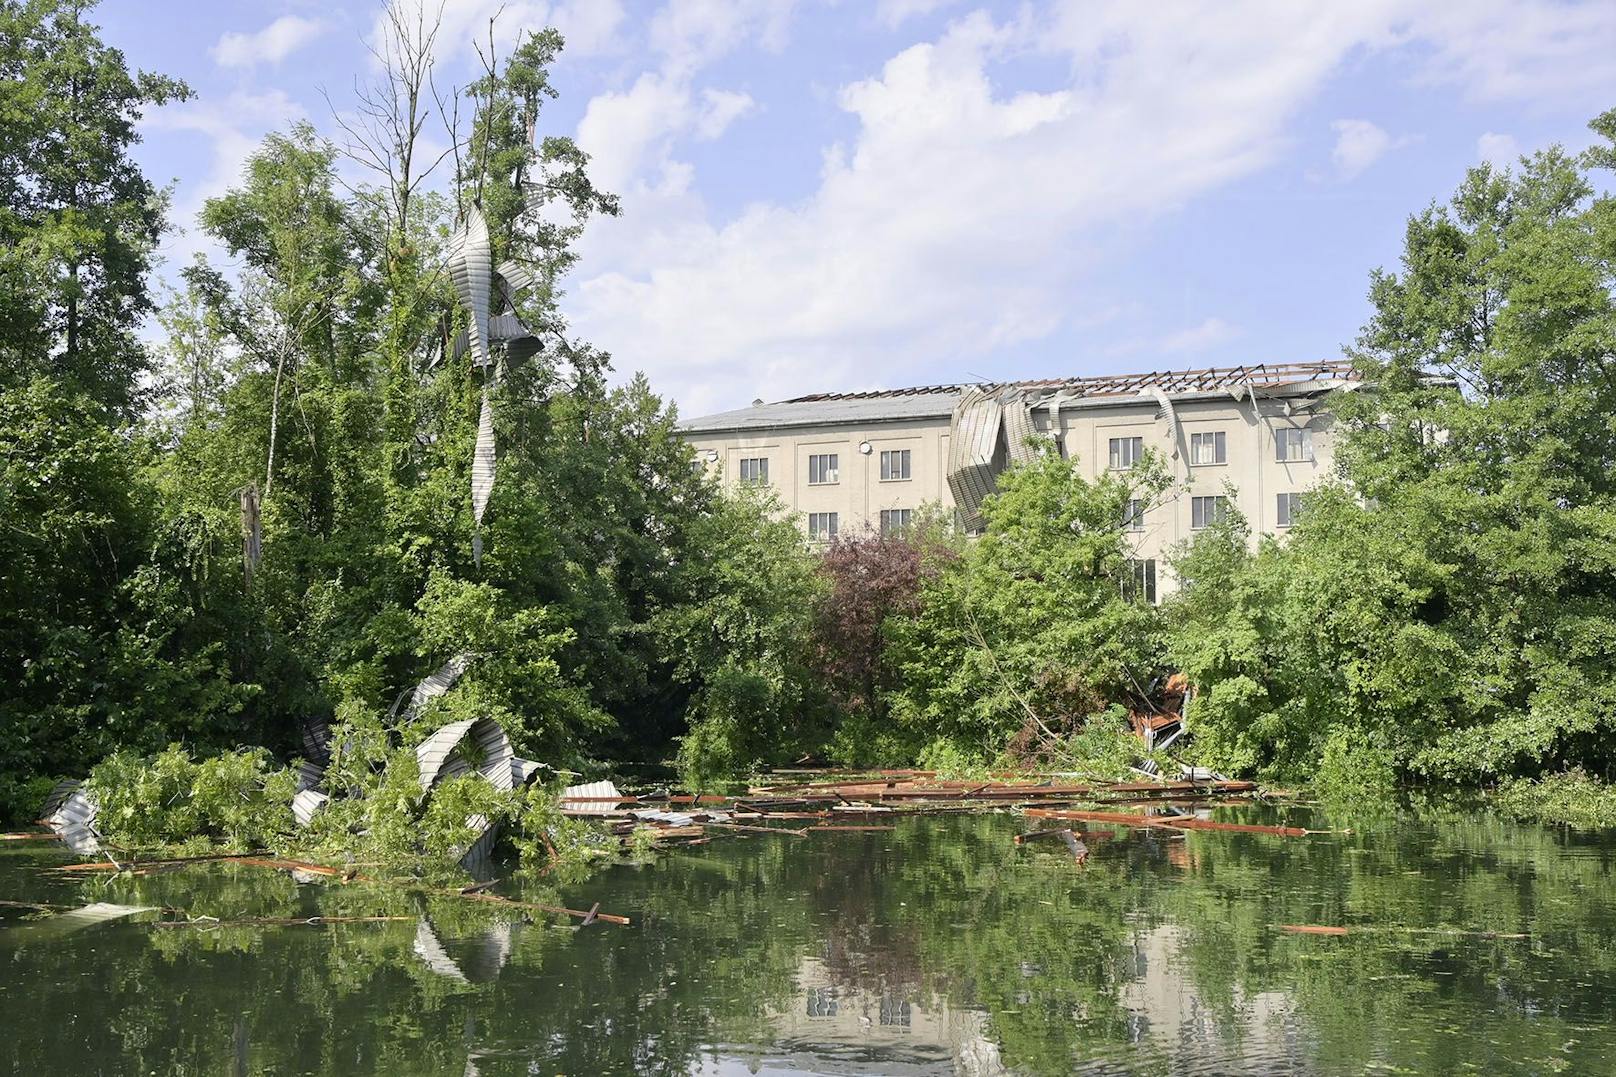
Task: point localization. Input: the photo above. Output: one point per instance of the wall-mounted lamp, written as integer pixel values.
(865, 447)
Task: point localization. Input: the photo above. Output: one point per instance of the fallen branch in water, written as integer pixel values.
(1370, 929)
(280, 921)
(761, 829)
(577, 914)
(833, 826)
(164, 862)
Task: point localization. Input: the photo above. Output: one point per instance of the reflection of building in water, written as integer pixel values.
(840, 1028)
(1259, 1030)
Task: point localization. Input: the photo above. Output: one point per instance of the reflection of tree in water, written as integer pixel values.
(1162, 939)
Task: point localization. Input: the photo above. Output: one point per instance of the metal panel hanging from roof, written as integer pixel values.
(471, 256)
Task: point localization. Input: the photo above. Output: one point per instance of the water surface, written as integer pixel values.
(940, 947)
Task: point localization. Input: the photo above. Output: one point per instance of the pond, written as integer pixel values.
(938, 947)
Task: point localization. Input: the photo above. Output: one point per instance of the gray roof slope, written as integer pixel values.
(929, 405)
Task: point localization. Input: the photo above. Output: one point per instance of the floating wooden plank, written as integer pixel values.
(1169, 821)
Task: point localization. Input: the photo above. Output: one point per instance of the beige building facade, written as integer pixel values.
(1257, 437)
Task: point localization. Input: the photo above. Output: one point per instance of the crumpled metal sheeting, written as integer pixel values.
(525, 770)
(973, 453)
(437, 759)
(437, 684)
(517, 278)
(70, 811)
(309, 775)
(601, 800)
(431, 754)
(471, 268)
(316, 733)
(1165, 410)
(58, 796)
(493, 747)
(482, 460)
(478, 858)
(306, 803)
(78, 808)
(1016, 417)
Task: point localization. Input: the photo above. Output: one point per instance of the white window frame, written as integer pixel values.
(1209, 447)
(1124, 453)
(829, 473)
(896, 465)
(1293, 445)
(1286, 507)
(823, 526)
(1199, 506)
(1133, 514)
(896, 521)
(760, 471)
(1139, 580)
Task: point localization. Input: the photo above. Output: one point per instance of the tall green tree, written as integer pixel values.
(1452, 609)
(78, 219)
(1034, 629)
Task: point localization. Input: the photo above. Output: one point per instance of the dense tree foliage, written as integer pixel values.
(315, 378)
(1449, 609)
(1034, 630)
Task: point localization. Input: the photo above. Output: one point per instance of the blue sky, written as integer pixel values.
(844, 195)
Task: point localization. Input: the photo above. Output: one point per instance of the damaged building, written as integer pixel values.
(844, 463)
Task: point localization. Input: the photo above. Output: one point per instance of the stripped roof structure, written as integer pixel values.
(936, 401)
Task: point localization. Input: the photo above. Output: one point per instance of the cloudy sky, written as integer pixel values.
(873, 193)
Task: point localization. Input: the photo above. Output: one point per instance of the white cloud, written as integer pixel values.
(1501, 151)
(1501, 49)
(960, 216)
(1198, 338)
(271, 45)
(720, 108)
(1359, 144)
(693, 33)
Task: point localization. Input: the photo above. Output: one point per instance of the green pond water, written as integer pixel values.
(937, 948)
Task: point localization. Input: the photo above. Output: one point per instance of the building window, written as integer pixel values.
(1288, 505)
(895, 521)
(755, 471)
(821, 526)
(1209, 448)
(1139, 580)
(822, 469)
(1133, 515)
(894, 464)
(1206, 511)
(1292, 444)
(1125, 453)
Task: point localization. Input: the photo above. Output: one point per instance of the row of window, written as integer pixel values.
(1206, 511)
(824, 469)
(1291, 445)
(824, 526)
